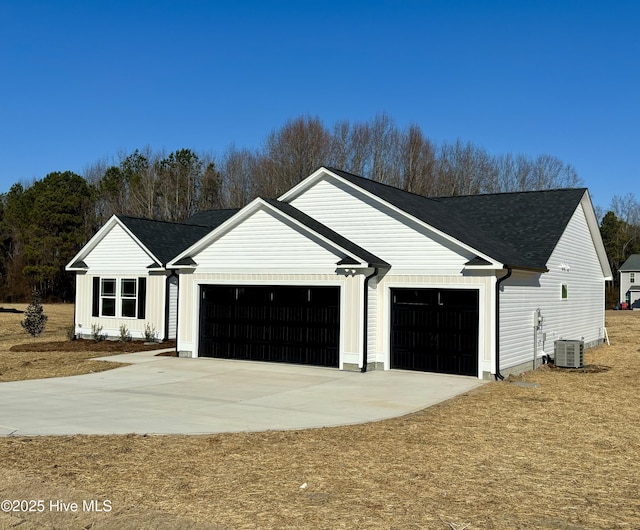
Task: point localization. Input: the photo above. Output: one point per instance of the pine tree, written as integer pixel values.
(34, 317)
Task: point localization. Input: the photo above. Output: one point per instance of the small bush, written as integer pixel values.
(96, 333)
(71, 333)
(34, 317)
(150, 333)
(125, 334)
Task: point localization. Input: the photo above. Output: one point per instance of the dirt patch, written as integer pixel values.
(562, 455)
(586, 369)
(82, 345)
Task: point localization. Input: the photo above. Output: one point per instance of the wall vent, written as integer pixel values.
(569, 353)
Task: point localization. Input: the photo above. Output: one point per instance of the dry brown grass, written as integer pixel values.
(51, 355)
(560, 456)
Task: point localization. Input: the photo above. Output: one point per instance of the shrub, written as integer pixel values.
(150, 333)
(71, 333)
(125, 335)
(34, 317)
(96, 333)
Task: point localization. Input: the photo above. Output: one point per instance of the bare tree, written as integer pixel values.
(236, 171)
(417, 162)
(384, 165)
(291, 153)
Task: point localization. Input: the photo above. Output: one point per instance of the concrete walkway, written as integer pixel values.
(167, 395)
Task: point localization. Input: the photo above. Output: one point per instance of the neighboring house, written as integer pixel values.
(345, 272)
(630, 282)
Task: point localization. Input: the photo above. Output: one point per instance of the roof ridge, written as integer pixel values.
(478, 231)
(435, 198)
(181, 223)
(507, 193)
(340, 171)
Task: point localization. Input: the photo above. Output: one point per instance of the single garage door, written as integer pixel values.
(271, 323)
(435, 330)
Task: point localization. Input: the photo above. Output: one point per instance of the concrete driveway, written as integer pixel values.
(167, 395)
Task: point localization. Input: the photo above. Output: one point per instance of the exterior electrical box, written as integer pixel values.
(569, 353)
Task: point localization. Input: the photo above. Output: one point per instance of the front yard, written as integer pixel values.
(561, 453)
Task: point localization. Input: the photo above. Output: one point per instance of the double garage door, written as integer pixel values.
(288, 324)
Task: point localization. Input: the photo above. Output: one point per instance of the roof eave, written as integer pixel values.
(526, 268)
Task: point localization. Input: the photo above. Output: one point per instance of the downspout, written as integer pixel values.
(498, 375)
(365, 334)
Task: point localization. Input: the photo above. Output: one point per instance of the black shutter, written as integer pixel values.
(95, 302)
(142, 298)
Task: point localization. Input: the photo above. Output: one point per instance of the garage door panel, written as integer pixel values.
(435, 330)
(271, 323)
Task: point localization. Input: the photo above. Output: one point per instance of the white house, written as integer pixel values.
(630, 282)
(345, 272)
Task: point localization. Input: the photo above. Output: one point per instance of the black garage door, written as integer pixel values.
(435, 330)
(271, 323)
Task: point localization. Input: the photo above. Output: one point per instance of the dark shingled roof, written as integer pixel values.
(519, 229)
(532, 221)
(211, 218)
(326, 232)
(164, 240)
(632, 264)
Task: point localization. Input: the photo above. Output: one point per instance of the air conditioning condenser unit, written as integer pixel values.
(568, 353)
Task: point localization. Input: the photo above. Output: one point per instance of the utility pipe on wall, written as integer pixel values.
(498, 375)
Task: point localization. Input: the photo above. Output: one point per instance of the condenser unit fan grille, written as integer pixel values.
(569, 353)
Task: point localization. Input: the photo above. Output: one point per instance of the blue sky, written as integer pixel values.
(82, 81)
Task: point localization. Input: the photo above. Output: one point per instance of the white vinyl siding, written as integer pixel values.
(409, 247)
(267, 242)
(118, 253)
(580, 316)
(173, 307)
(154, 312)
(372, 318)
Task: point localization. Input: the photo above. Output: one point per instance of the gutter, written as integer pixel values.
(498, 375)
(365, 326)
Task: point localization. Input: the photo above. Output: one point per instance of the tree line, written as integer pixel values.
(42, 225)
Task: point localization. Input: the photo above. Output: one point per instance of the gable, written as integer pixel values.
(117, 252)
(265, 241)
(575, 255)
(405, 244)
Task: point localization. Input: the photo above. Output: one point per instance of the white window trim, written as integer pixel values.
(119, 297)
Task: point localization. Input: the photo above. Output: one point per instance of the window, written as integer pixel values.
(632, 277)
(123, 297)
(128, 301)
(108, 297)
(565, 291)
